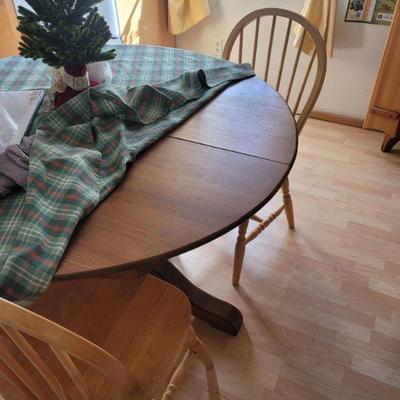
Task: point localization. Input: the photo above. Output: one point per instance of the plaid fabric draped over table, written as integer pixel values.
(80, 150)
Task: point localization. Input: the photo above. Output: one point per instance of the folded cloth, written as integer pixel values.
(183, 14)
(322, 13)
(14, 165)
(79, 156)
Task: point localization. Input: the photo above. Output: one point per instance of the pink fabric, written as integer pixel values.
(14, 165)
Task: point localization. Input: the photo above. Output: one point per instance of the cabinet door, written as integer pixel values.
(384, 110)
(9, 36)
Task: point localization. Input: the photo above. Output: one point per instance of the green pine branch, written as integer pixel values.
(63, 32)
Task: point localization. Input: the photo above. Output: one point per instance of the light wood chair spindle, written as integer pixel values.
(167, 334)
(300, 108)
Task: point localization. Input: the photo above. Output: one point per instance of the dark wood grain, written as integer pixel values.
(177, 196)
(205, 178)
(250, 118)
(389, 142)
(183, 191)
(216, 312)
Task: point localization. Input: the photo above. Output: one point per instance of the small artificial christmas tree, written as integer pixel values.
(65, 33)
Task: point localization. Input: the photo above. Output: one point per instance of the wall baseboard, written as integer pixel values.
(337, 118)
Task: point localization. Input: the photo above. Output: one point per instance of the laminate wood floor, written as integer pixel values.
(321, 303)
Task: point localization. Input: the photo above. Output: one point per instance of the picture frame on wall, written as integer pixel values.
(378, 12)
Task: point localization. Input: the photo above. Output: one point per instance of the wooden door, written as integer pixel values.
(384, 109)
(9, 36)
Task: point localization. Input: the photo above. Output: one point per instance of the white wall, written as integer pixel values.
(351, 72)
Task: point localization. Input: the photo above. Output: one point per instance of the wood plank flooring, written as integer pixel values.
(321, 303)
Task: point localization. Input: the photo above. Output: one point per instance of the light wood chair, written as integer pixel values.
(144, 364)
(300, 107)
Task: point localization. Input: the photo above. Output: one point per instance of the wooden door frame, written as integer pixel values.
(383, 115)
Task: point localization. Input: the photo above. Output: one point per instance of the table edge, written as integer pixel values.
(149, 263)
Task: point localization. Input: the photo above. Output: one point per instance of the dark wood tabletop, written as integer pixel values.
(197, 183)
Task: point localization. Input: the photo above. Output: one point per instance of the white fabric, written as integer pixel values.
(99, 72)
(77, 83)
(8, 129)
(16, 111)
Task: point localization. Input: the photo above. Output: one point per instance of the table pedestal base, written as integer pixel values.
(216, 312)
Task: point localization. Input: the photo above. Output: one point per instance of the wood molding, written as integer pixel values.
(337, 118)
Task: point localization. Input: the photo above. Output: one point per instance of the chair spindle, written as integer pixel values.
(72, 371)
(305, 80)
(13, 380)
(16, 368)
(271, 40)
(282, 64)
(296, 63)
(241, 47)
(28, 351)
(256, 42)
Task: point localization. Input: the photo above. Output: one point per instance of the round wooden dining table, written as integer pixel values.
(197, 183)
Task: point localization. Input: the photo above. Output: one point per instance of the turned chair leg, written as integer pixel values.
(176, 379)
(196, 347)
(287, 201)
(239, 253)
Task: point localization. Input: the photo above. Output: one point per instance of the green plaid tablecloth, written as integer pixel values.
(81, 150)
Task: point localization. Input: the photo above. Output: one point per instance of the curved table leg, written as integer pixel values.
(388, 142)
(216, 312)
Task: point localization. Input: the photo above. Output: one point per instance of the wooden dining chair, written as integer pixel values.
(299, 90)
(144, 364)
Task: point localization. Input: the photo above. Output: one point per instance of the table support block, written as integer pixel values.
(218, 313)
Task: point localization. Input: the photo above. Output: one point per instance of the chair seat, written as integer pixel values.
(149, 335)
(148, 339)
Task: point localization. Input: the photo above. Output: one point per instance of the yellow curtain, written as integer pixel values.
(322, 13)
(183, 14)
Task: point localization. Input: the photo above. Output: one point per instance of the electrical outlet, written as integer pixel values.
(219, 48)
(217, 51)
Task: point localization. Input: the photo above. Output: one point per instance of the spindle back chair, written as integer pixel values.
(23, 366)
(319, 53)
(300, 108)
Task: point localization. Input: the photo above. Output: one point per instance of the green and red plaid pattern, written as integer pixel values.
(80, 150)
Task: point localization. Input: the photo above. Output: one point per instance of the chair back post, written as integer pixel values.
(318, 53)
(16, 321)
